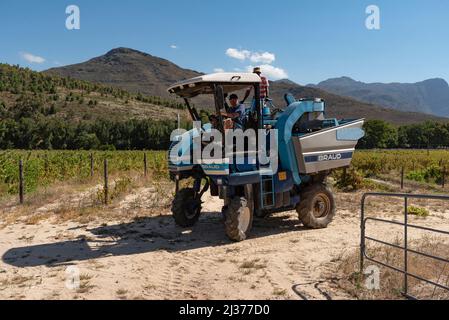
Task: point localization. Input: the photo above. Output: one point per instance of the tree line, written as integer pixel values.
(51, 133)
(382, 135)
(140, 134)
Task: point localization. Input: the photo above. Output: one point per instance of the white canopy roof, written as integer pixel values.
(202, 85)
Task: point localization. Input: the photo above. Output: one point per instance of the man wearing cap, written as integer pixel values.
(264, 86)
(236, 112)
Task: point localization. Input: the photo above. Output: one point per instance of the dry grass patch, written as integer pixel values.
(84, 203)
(85, 285)
(254, 264)
(279, 292)
(17, 280)
(391, 281)
(121, 293)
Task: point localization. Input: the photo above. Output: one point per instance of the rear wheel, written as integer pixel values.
(186, 208)
(317, 207)
(238, 216)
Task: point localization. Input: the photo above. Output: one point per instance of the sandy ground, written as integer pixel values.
(151, 258)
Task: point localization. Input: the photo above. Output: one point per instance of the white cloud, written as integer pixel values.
(273, 73)
(31, 58)
(174, 46)
(218, 70)
(255, 57)
(238, 54)
(262, 57)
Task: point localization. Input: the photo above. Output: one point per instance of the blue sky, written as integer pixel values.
(310, 41)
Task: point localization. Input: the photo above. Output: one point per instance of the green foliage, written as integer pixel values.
(50, 133)
(204, 116)
(28, 83)
(433, 173)
(375, 162)
(429, 134)
(350, 180)
(34, 121)
(417, 175)
(42, 168)
(378, 134)
(417, 211)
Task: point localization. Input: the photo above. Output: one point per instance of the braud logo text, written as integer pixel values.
(332, 156)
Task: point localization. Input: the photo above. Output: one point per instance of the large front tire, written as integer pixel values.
(238, 216)
(317, 207)
(186, 208)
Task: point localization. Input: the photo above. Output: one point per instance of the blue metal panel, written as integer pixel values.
(242, 178)
(285, 185)
(294, 200)
(285, 125)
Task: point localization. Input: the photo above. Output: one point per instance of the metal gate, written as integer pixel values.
(406, 225)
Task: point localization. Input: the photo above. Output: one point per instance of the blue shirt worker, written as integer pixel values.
(236, 112)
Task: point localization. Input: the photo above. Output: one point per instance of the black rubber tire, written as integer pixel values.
(309, 199)
(236, 207)
(185, 208)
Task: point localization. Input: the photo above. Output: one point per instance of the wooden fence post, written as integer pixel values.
(106, 186)
(80, 166)
(46, 164)
(443, 182)
(402, 177)
(145, 164)
(21, 188)
(91, 164)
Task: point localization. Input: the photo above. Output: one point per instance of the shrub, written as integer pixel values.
(415, 176)
(420, 212)
(352, 180)
(431, 173)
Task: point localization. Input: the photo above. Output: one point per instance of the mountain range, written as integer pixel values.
(140, 72)
(429, 96)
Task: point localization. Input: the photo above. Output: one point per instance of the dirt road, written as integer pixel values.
(151, 258)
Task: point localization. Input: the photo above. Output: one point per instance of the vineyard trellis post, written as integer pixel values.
(402, 177)
(443, 176)
(145, 164)
(46, 164)
(91, 165)
(80, 165)
(21, 188)
(106, 185)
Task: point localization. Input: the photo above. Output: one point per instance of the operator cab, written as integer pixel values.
(220, 85)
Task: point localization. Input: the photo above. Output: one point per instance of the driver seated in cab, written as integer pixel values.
(235, 114)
